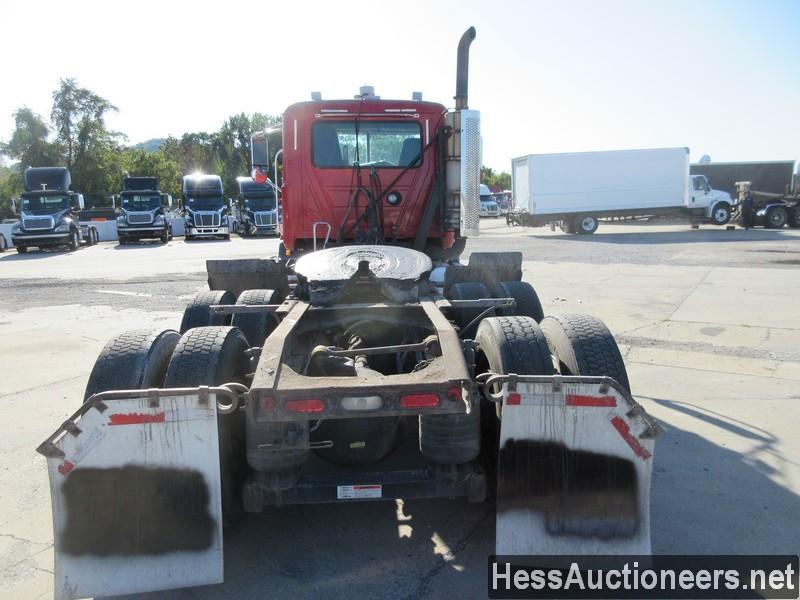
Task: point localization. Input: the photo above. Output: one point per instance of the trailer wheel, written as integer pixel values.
(583, 345)
(256, 327)
(585, 224)
(777, 217)
(721, 213)
(198, 313)
(132, 360)
(528, 304)
(472, 290)
(215, 356)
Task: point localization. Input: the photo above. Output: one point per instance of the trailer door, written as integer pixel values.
(520, 182)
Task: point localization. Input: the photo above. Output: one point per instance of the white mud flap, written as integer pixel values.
(135, 488)
(574, 468)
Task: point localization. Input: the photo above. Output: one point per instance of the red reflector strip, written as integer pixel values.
(622, 427)
(514, 398)
(578, 400)
(314, 405)
(419, 401)
(136, 418)
(65, 467)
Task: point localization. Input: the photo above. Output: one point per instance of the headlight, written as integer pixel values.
(121, 220)
(63, 227)
(159, 220)
(17, 228)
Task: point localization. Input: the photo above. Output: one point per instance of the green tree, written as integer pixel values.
(90, 151)
(232, 145)
(497, 182)
(29, 143)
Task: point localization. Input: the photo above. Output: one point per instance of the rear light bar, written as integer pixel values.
(419, 401)
(314, 405)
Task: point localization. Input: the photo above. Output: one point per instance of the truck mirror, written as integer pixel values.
(166, 200)
(259, 151)
(13, 204)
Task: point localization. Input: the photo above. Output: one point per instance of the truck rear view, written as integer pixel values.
(364, 371)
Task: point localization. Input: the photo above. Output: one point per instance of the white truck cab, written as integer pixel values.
(488, 207)
(717, 205)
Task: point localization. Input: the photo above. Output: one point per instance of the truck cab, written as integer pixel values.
(48, 212)
(205, 209)
(142, 211)
(256, 205)
(715, 205)
(489, 207)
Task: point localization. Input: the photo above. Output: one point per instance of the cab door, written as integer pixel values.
(701, 191)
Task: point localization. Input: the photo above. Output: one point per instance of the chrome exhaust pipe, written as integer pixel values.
(462, 68)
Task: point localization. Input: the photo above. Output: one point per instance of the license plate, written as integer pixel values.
(345, 492)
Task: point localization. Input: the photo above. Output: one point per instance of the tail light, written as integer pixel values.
(419, 401)
(312, 405)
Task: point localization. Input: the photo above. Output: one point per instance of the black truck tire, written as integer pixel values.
(132, 360)
(74, 240)
(528, 303)
(3, 243)
(509, 345)
(794, 218)
(256, 327)
(777, 217)
(198, 314)
(583, 345)
(721, 213)
(215, 356)
(22, 249)
(585, 224)
(472, 290)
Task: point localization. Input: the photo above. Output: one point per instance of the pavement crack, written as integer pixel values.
(20, 539)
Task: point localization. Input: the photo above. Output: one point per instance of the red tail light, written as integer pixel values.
(259, 176)
(419, 401)
(314, 405)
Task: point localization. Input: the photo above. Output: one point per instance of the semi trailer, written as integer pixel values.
(142, 211)
(206, 211)
(49, 212)
(575, 190)
(774, 187)
(256, 208)
(364, 364)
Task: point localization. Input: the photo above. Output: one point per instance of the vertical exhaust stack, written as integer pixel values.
(463, 158)
(462, 69)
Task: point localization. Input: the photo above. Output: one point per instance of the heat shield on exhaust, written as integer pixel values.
(574, 469)
(135, 489)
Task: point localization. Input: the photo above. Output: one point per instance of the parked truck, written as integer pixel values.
(256, 208)
(206, 211)
(370, 369)
(49, 212)
(142, 211)
(575, 190)
(773, 185)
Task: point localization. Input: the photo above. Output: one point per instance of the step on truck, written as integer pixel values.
(575, 190)
(256, 208)
(142, 211)
(774, 187)
(368, 364)
(49, 213)
(205, 209)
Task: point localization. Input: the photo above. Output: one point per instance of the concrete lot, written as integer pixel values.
(707, 320)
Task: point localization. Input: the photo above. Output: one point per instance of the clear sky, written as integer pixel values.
(721, 77)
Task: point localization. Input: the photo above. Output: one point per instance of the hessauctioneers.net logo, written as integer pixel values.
(621, 577)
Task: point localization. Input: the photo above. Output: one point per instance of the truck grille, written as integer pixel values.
(264, 219)
(206, 219)
(140, 218)
(38, 223)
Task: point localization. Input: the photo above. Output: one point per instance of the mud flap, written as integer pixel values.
(574, 468)
(135, 489)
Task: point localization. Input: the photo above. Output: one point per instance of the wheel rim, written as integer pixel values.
(776, 218)
(720, 215)
(587, 224)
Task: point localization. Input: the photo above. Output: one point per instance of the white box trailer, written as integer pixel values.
(576, 189)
